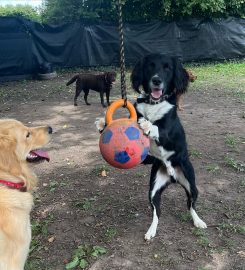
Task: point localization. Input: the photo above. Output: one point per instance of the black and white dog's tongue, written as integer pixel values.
(156, 93)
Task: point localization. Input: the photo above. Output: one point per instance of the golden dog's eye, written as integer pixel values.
(28, 135)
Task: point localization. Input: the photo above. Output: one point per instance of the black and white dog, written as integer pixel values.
(162, 78)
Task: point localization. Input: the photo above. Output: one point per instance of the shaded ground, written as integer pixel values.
(75, 205)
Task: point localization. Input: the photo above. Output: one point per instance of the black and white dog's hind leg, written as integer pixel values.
(158, 182)
(186, 178)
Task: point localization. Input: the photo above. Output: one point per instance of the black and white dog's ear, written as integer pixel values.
(137, 76)
(181, 78)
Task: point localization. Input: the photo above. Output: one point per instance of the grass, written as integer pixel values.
(229, 75)
(185, 217)
(242, 183)
(202, 237)
(111, 233)
(232, 228)
(213, 168)
(53, 185)
(97, 170)
(195, 153)
(86, 205)
(231, 141)
(236, 165)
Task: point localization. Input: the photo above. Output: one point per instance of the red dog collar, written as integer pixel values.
(12, 185)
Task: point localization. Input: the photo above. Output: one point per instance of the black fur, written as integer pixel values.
(169, 69)
(174, 79)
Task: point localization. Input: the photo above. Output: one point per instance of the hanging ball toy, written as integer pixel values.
(122, 143)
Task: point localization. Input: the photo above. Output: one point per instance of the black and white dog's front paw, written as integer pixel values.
(148, 128)
(145, 125)
(100, 124)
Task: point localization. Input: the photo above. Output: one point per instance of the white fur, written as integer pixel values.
(148, 128)
(153, 228)
(161, 180)
(155, 150)
(183, 181)
(197, 221)
(100, 124)
(154, 112)
(162, 154)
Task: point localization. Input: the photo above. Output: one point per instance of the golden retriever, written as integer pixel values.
(18, 146)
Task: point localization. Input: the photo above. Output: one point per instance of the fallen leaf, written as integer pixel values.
(103, 173)
(51, 239)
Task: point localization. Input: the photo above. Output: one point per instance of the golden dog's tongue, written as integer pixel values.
(40, 153)
(156, 93)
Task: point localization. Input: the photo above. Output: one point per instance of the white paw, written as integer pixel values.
(145, 125)
(200, 224)
(150, 234)
(100, 124)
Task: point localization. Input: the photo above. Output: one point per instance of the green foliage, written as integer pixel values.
(55, 11)
(231, 141)
(59, 11)
(111, 233)
(194, 8)
(231, 162)
(26, 11)
(82, 254)
(232, 228)
(202, 237)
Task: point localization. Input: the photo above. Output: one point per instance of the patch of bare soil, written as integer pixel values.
(75, 205)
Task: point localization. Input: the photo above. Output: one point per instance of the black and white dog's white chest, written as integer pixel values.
(155, 112)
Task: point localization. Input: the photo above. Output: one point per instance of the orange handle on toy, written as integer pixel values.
(116, 105)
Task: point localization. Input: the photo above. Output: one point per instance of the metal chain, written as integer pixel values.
(122, 55)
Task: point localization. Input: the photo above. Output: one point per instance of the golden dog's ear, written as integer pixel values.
(8, 158)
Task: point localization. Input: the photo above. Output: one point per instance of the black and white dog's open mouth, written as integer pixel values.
(156, 93)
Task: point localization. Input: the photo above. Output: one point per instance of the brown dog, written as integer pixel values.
(101, 83)
(18, 145)
(179, 98)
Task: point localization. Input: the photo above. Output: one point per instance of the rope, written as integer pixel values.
(122, 55)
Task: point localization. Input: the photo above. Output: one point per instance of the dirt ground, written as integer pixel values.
(76, 206)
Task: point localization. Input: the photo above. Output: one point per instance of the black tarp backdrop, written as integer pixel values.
(24, 44)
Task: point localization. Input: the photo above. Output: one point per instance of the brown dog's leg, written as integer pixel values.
(179, 103)
(102, 99)
(86, 91)
(78, 91)
(108, 97)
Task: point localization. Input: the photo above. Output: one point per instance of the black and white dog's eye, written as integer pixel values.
(28, 135)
